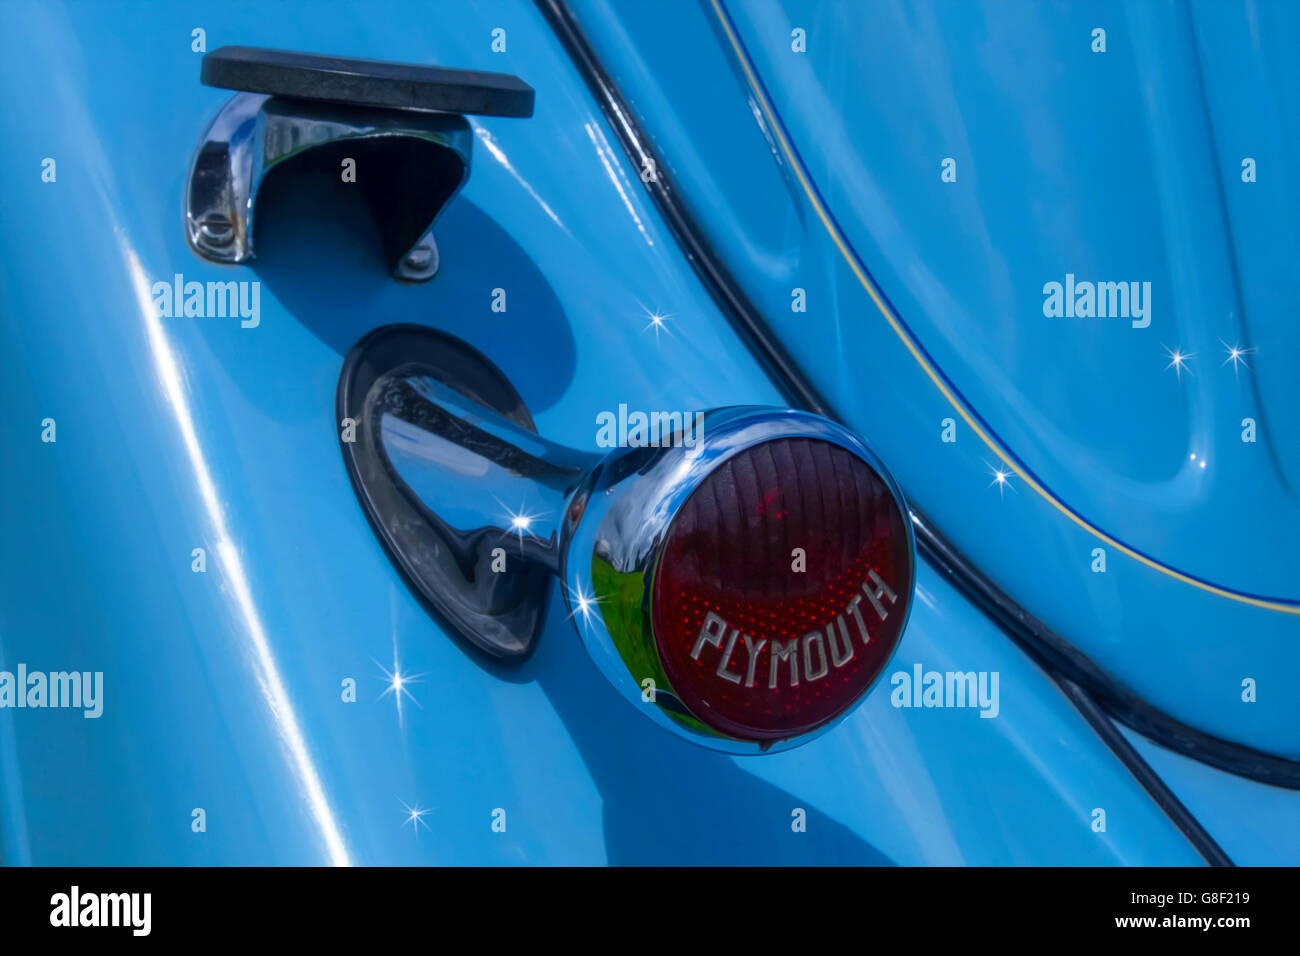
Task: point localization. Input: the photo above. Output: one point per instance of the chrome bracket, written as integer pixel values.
(289, 104)
(253, 133)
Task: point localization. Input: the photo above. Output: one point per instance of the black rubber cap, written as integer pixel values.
(335, 79)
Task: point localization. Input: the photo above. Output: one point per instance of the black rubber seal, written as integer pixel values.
(376, 83)
(500, 615)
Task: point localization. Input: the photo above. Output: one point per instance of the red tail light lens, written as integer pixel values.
(781, 589)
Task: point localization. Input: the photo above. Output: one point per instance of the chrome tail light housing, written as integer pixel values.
(742, 576)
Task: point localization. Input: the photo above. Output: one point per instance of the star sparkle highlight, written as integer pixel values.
(1178, 360)
(520, 522)
(657, 322)
(415, 817)
(1001, 478)
(585, 606)
(397, 686)
(1236, 355)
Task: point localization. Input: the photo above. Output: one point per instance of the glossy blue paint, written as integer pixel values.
(1109, 166)
(1257, 825)
(223, 689)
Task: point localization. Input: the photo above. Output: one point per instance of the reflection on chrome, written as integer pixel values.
(253, 133)
(600, 523)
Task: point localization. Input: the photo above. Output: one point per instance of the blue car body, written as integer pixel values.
(225, 691)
